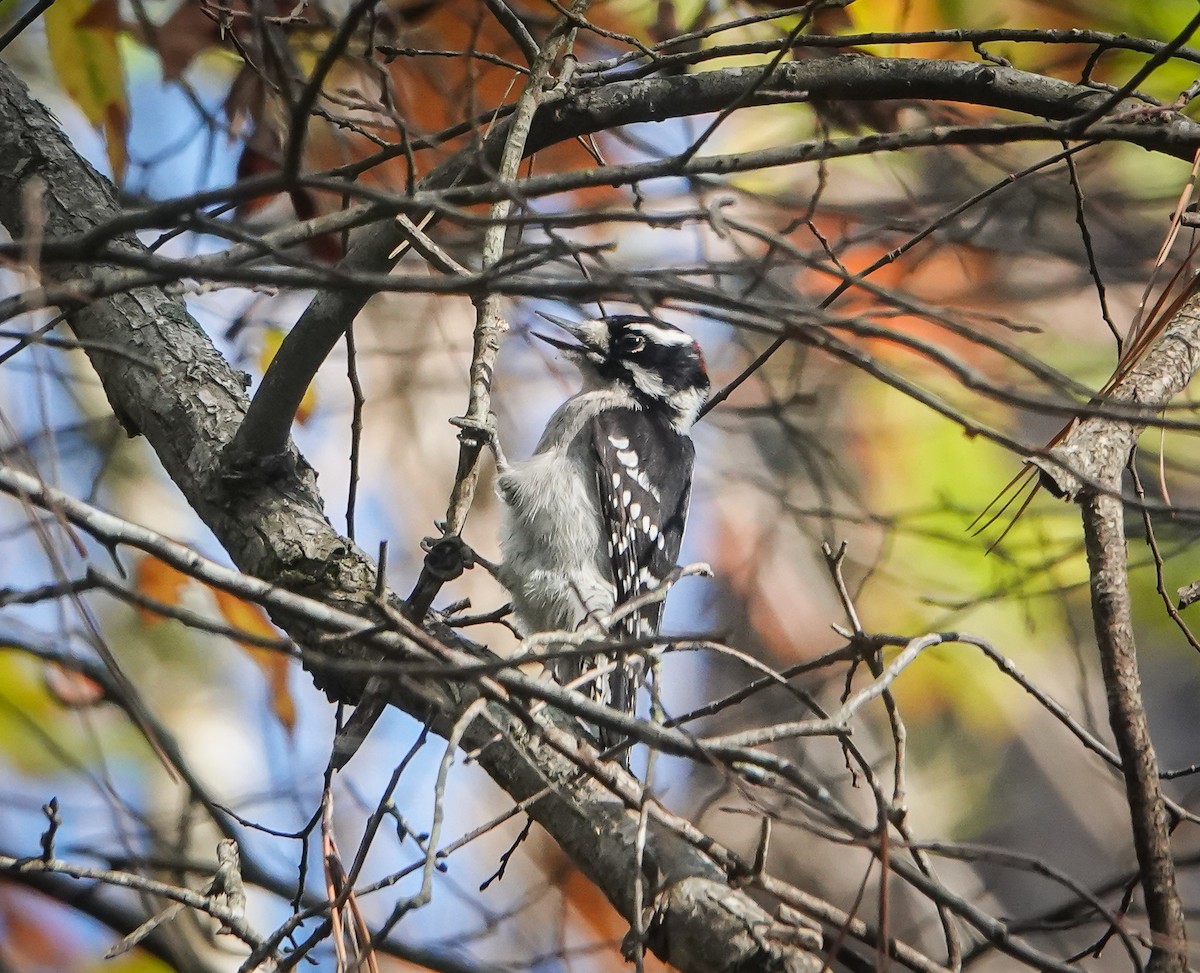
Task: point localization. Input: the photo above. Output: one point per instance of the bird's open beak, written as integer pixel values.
(585, 345)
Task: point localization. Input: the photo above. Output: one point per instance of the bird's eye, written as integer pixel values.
(633, 343)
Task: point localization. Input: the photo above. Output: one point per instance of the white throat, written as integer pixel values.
(687, 404)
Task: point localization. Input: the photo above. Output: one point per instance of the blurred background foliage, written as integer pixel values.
(171, 98)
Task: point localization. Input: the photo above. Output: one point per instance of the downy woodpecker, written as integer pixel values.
(595, 517)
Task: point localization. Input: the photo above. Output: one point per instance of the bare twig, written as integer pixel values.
(477, 423)
(214, 905)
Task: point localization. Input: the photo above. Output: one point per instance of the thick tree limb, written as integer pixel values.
(188, 406)
(1087, 466)
(1108, 573)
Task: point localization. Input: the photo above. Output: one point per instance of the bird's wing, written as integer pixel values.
(644, 482)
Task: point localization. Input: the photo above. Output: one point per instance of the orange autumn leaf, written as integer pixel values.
(592, 909)
(188, 32)
(598, 920)
(251, 619)
(72, 689)
(159, 581)
(34, 932)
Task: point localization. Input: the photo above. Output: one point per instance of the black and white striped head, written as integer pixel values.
(661, 365)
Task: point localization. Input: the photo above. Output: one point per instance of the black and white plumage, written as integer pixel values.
(596, 516)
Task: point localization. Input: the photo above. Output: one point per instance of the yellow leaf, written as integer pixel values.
(272, 339)
(250, 618)
(82, 36)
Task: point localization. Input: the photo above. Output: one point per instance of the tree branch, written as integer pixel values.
(189, 406)
(1087, 466)
(121, 919)
(1097, 449)
(489, 324)
(1104, 536)
(569, 114)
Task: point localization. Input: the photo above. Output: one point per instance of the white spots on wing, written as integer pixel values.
(662, 538)
(635, 510)
(645, 523)
(629, 460)
(622, 544)
(616, 481)
(619, 442)
(652, 530)
(647, 580)
(626, 497)
(600, 689)
(644, 482)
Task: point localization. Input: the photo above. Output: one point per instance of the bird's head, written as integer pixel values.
(660, 364)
